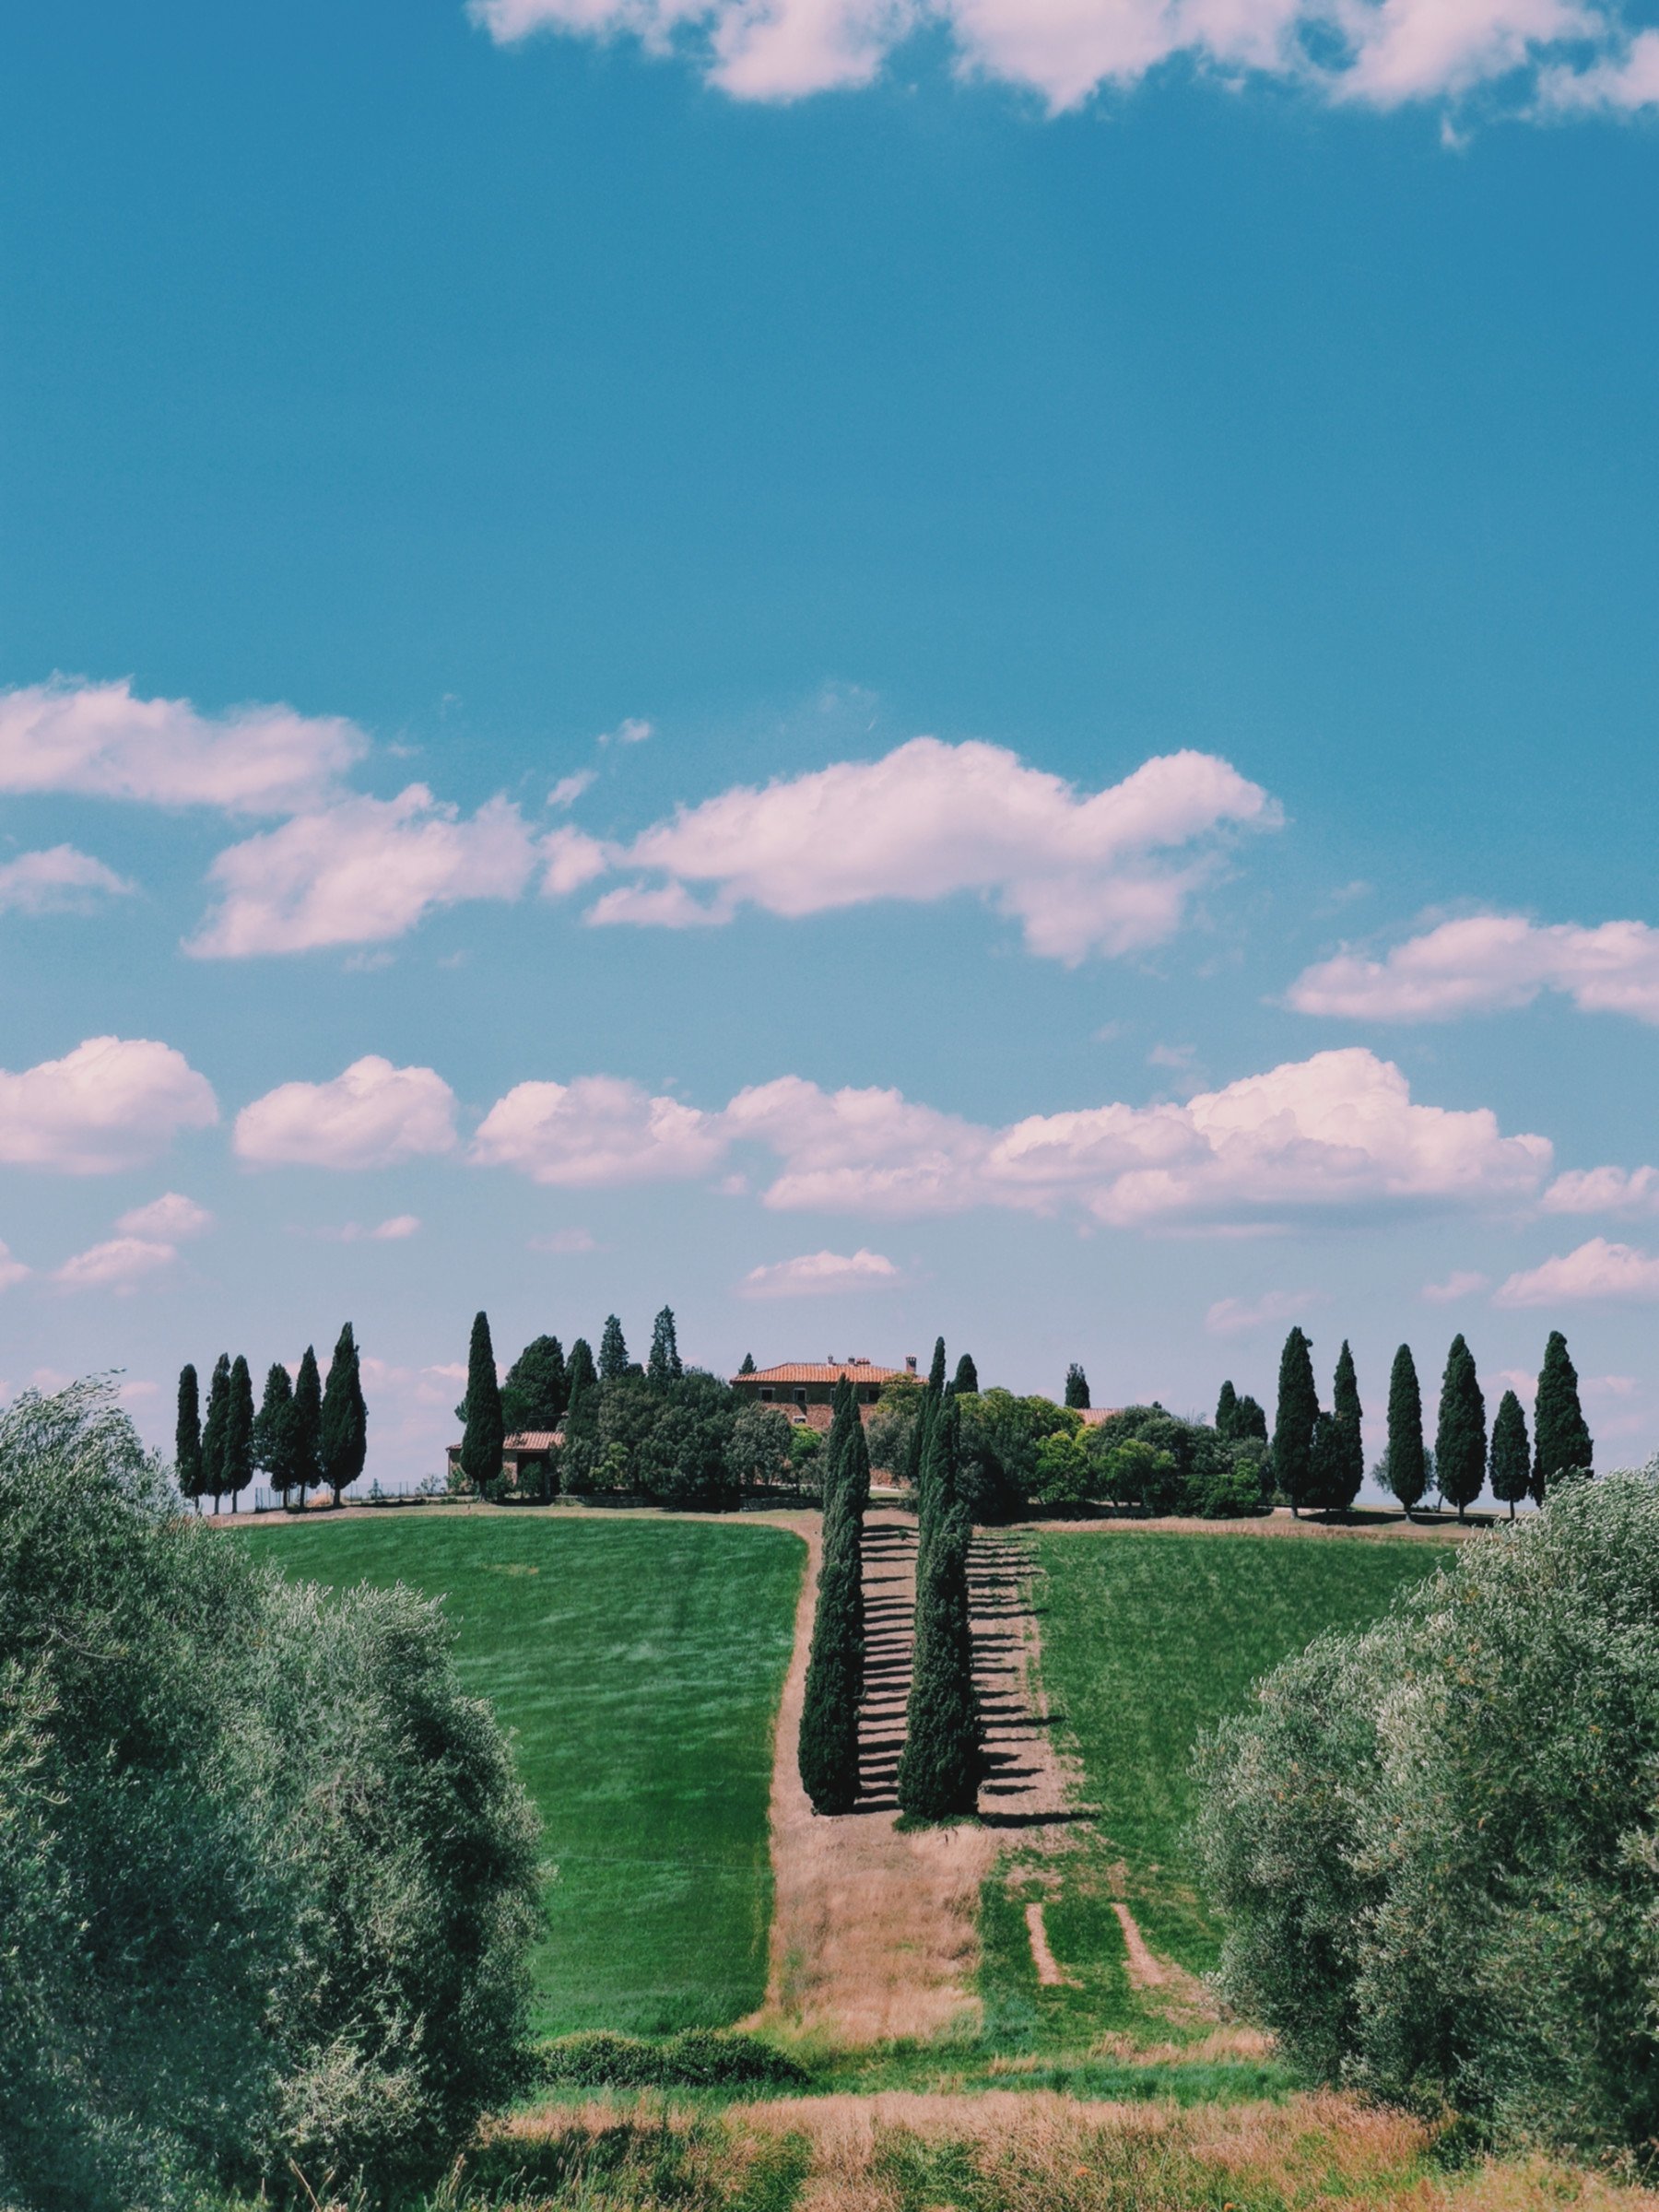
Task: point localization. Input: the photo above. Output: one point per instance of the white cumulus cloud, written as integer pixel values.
(1597, 1270)
(1110, 871)
(359, 873)
(374, 1115)
(58, 881)
(172, 1219)
(102, 742)
(817, 1273)
(1238, 1317)
(1570, 54)
(1463, 1282)
(1603, 1190)
(118, 1265)
(113, 1103)
(597, 1130)
(1489, 962)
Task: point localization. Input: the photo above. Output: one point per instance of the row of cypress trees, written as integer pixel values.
(828, 1753)
(942, 1764)
(1318, 1458)
(306, 1435)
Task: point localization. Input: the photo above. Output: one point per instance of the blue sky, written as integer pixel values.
(675, 401)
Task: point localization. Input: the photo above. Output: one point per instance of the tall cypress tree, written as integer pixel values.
(1460, 1440)
(307, 1425)
(613, 1351)
(580, 1374)
(1249, 1420)
(915, 1449)
(1408, 1471)
(1226, 1411)
(1077, 1388)
(214, 1430)
(749, 1364)
(965, 1383)
(1348, 1470)
(187, 1437)
(1512, 1461)
(274, 1430)
(345, 1427)
(1327, 1458)
(940, 1766)
(485, 1432)
(936, 1373)
(663, 1365)
(1293, 1427)
(828, 1749)
(1560, 1435)
(239, 1432)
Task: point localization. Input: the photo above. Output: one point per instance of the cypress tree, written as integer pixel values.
(1561, 1436)
(1293, 1429)
(915, 1449)
(936, 1373)
(239, 1432)
(1226, 1411)
(843, 1418)
(344, 1434)
(966, 1383)
(663, 1365)
(537, 1390)
(1249, 1420)
(274, 1430)
(214, 1430)
(940, 1766)
(308, 1426)
(1460, 1440)
(580, 1374)
(1327, 1461)
(1512, 1461)
(749, 1364)
(187, 1437)
(828, 1749)
(852, 1477)
(1408, 1473)
(613, 1351)
(1348, 1470)
(485, 1432)
(1077, 1388)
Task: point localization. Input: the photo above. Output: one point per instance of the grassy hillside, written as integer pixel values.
(640, 1663)
(1146, 1639)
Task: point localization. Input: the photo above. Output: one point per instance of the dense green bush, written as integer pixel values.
(267, 1881)
(1436, 1843)
(696, 2058)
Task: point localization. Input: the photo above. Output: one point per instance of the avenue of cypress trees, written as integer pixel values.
(214, 1430)
(1460, 1440)
(274, 1430)
(1077, 1388)
(343, 1431)
(940, 1767)
(1408, 1473)
(965, 1383)
(1293, 1427)
(663, 1365)
(482, 1438)
(1561, 1436)
(613, 1351)
(1226, 1411)
(1348, 1470)
(828, 1751)
(307, 1425)
(1512, 1461)
(187, 1437)
(238, 1463)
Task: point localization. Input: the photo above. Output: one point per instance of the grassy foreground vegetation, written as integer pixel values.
(639, 1664)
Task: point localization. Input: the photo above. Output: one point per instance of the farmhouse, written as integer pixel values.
(804, 1389)
(521, 1455)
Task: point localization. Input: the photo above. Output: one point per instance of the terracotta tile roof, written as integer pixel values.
(805, 1371)
(531, 1439)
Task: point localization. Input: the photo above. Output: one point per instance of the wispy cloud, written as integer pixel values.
(1463, 1282)
(58, 881)
(820, 1275)
(1238, 1317)
(1594, 1273)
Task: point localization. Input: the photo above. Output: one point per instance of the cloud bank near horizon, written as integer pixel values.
(1555, 58)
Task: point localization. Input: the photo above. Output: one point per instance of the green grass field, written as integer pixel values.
(1146, 1640)
(638, 1663)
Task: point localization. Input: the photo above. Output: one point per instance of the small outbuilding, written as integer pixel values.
(522, 1454)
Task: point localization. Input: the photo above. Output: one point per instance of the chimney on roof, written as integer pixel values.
(910, 1363)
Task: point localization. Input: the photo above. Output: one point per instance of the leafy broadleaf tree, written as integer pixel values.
(535, 1395)
(1349, 1469)
(1460, 1439)
(1077, 1388)
(827, 1751)
(1226, 1411)
(187, 1437)
(1406, 1468)
(1293, 1427)
(663, 1365)
(344, 1434)
(216, 1430)
(276, 1432)
(1512, 1459)
(613, 1351)
(307, 1425)
(485, 1432)
(1560, 1435)
(239, 1432)
(965, 1383)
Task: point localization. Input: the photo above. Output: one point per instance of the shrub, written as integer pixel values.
(696, 2058)
(1436, 1843)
